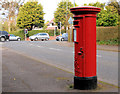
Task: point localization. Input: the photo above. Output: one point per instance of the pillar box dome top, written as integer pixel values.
(85, 10)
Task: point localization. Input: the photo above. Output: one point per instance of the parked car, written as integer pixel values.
(64, 37)
(15, 38)
(40, 36)
(58, 38)
(4, 36)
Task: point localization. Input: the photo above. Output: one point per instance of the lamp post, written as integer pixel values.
(2, 26)
(74, 3)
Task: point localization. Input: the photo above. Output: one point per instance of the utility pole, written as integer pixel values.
(66, 14)
(74, 3)
(60, 28)
(25, 32)
(70, 22)
(55, 30)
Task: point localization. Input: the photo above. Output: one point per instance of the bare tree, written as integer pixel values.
(11, 9)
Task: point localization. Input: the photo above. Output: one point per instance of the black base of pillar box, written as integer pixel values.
(85, 83)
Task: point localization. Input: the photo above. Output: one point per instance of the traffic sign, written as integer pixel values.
(70, 20)
(25, 31)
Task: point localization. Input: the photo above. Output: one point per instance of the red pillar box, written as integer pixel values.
(85, 47)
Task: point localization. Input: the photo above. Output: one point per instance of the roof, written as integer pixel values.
(52, 21)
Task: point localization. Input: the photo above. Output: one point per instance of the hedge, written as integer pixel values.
(107, 33)
(103, 33)
(20, 33)
(50, 32)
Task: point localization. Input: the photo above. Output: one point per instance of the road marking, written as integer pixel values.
(55, 49)
(39, 46)
(31, 44)
(36, 45)
(98, 55)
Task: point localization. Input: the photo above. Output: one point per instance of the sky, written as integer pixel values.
(50, 6)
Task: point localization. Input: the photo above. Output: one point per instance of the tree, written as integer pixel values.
(116, 5)
(108, 15)
(45, 26)
(10, 10)
(97, 4)
(62, 14)
(30, 14)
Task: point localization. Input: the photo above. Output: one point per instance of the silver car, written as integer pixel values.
(40, 36)
(64, 37)
(58, 38)
(15, 38)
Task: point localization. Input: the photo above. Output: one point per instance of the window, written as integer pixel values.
(43, 34)
(12, 35)
(4, 32)
(52, 24)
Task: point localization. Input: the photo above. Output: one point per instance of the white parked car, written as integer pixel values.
(15, 38)
(40, 36)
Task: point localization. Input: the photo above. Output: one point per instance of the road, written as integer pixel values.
(52, 53)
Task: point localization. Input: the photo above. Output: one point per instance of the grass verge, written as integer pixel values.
(109, 42)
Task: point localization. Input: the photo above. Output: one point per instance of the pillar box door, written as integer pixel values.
(85, 47)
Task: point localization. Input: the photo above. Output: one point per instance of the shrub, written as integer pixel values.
(50, 32)
(105, 35)
(19, 33)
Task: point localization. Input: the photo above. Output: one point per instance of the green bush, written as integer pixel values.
(50, 32)
(105, 35)
(109, 42)
(30, 33)
(19, 33)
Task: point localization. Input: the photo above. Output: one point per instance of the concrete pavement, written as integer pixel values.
(23, 74)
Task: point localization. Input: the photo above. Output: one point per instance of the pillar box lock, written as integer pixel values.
(84, 33)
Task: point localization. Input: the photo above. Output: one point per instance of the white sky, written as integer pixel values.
(50, 6)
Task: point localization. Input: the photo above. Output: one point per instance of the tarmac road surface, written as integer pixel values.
(24, 74)
(62, 57)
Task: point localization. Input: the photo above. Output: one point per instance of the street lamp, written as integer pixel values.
(74, 3)
(2, 25)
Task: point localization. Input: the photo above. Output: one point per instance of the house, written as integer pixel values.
(36, 28)
(52, 25)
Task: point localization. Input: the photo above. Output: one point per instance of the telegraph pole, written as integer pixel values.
(66, 13)
(60, 28)
(74, 3)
